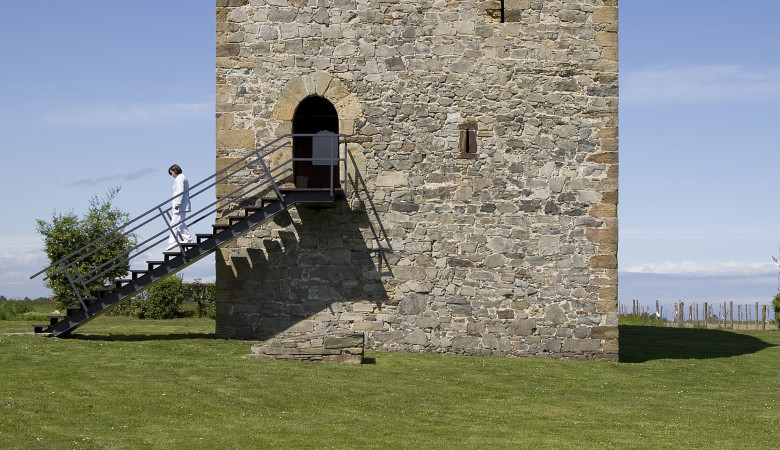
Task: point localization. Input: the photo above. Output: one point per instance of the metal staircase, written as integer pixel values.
(258, 189)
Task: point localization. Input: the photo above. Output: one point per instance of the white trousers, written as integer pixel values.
(179, 228)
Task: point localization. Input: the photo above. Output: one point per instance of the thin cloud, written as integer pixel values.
(721, 269)
(15, 272)
(697, 233)
(710, 84)
(16, 268)
(99, 116)
(92, 182)
(20, 242)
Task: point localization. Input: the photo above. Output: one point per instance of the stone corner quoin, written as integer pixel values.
(483, 174)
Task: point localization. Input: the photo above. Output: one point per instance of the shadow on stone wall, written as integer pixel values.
(307, 279)
(640, 344)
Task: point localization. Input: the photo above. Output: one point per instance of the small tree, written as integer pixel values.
(776, 300)
(67, 233)
(776, 306)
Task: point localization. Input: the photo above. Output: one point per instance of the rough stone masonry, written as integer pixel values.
(481, 216)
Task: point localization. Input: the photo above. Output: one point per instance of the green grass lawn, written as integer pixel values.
(127, 383)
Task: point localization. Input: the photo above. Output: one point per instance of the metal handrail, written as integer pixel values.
(261, 179)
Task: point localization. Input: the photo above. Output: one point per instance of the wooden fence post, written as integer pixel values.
(756, 313)
(690, 313)
(763, 317)
(731, 313)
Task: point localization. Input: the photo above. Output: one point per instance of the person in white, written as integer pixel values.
(179, 208)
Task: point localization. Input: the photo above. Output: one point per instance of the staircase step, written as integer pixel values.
(54, 319)
(119, 282)
(71, 310)
(153, 264)
(135, 273)
(265, 201)
(169, 255)
(235, 219)
(39, 328)
(249, 210)
(202, 237)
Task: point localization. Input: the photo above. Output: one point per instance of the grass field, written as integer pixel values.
(127, 383)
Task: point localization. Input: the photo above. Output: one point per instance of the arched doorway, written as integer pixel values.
(313, 115)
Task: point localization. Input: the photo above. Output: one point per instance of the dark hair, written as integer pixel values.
(175, 169)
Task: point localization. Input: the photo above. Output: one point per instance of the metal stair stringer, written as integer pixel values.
(178, 260)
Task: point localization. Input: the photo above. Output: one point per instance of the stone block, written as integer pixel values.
(235, 139)
(226, 189)
(607, 16)
(465, 342)
(392, 179)
(604, 210)
(304, 326)
(410, 273)
(611, 346)
(581, 345)
(603, 262)
(369, 326)
(349, 108)
(604, 332)
(608, 293)
(413, 304)
(607, 39)
(343, 341)
(522, 327)
(343, 359)
(602, 235)
(609, 305)
(417, 337)
(233, 163)
(606, 157)
(228, 50)
(555, 314)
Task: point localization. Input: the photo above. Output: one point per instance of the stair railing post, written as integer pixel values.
(344, 174)
(271, 179)
(75, 290)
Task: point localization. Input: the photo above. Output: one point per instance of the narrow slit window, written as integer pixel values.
(468, 140)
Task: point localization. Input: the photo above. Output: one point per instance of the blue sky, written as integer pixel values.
(95, 94)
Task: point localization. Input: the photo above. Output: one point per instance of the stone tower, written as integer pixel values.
(481, 216)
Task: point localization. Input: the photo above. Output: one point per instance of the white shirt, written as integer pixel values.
(181, 194)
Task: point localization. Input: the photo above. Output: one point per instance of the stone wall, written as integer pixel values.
(509, 248)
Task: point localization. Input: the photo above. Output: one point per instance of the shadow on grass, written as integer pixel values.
(640, 344)
(142, 337)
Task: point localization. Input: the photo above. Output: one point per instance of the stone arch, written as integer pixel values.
(320, 84)
(346, 103)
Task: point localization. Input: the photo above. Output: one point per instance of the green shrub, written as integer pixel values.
(202, 295)
(776, 307)
(14, 309)
(643, 319)
(196, 299)
(128, 307)
(162, 299)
